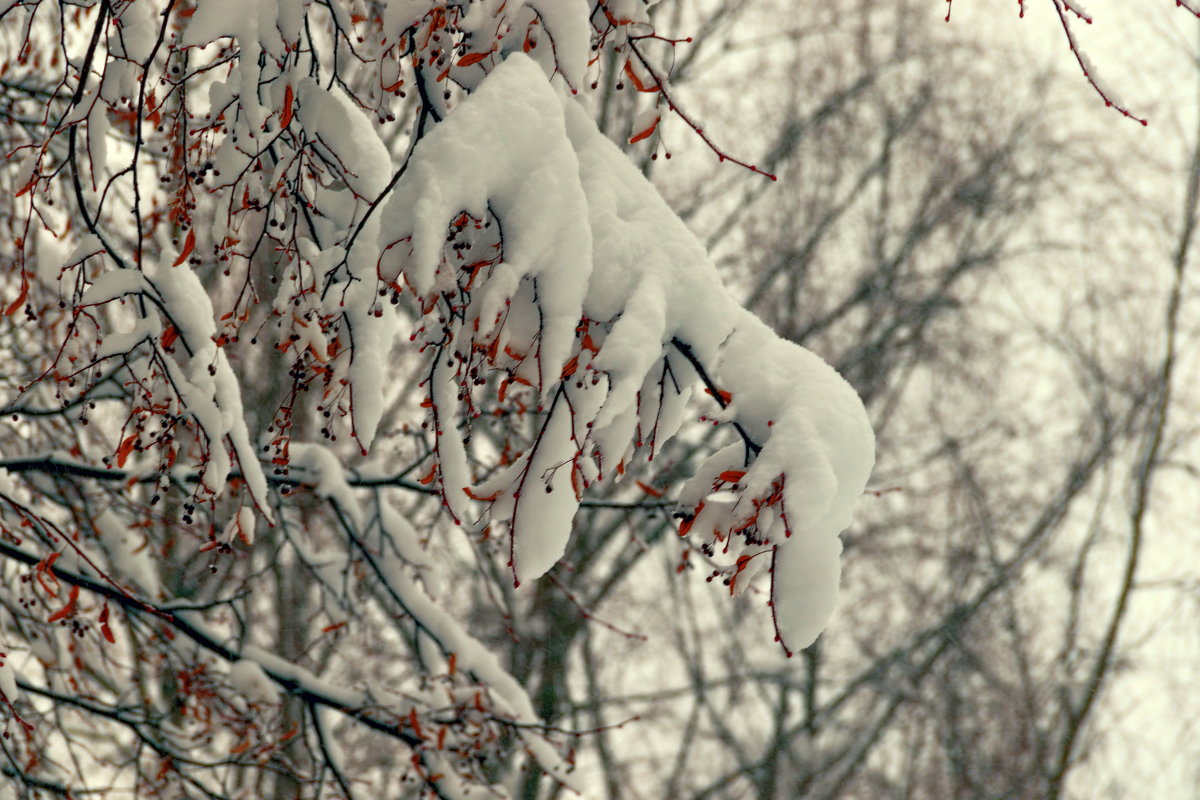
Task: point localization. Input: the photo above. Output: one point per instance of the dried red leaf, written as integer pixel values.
(637, 82)
(68, 609)
(724, 395)
(570, 367)
(28, 185)
(650, 490)
(415, 723)
(473, 58)
(125, 449)
(188, 244)
(15, 305)
(637, 137)
(575, 483)
(685, 526)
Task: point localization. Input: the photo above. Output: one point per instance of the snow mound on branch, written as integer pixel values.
(502, 151)
(628, 312)
(342, 130)
(207, 385)
(816, 441)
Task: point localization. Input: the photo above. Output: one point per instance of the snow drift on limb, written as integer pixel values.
(520, 173)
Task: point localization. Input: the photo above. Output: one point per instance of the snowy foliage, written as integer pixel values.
(245, 220)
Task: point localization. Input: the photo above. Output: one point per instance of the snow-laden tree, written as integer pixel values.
(309, 305)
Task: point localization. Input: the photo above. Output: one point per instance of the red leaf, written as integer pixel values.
(731, 475)
(169, 336)
(285, 116)
(650, 490)
(724, 395)
(68, 609)
(473, 58)
(570, 367)
(686, 525)
(637, 137)
(188, 244)
(429, 477)
(15, 305)
(742, 561)
(32, 182)
(415, 723)
(637, 82)
(125, 449)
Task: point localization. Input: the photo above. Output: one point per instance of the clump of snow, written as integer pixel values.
(113, 284)
(816, 444)
(129, 551)
(8, 681)
(207, 384)
(249, 679)
(344, 135)
(240, 526)
(325, 472)
(628, 313)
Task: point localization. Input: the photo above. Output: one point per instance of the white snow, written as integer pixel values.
(207, 384)
(8, 681)
(113, 284)
(566, 21)
(325, 471)
(345, 135)
(502, 146)
(130, 552)
(585, 235)
(248, 678)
